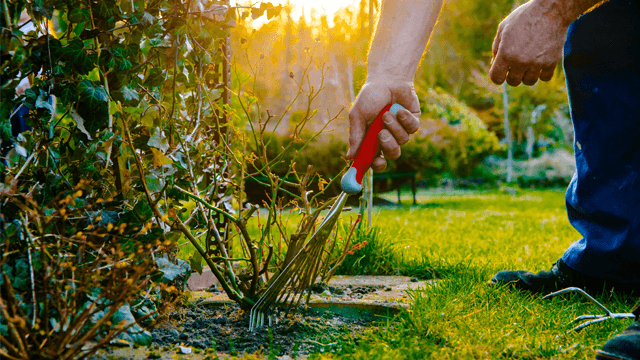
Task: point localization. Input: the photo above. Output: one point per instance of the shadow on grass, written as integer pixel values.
(449, 204)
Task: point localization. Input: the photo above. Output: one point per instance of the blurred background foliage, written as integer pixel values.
(462, 111)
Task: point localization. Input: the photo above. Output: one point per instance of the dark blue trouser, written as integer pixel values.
(18, 126)
(602, 68)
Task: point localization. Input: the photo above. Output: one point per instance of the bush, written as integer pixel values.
(452, 141)
(141, 111)
(72, 274)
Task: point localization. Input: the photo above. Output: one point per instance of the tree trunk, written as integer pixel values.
(507, 133)
(352, 96)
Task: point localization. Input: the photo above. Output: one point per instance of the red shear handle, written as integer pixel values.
(369, 146)
(351, 182)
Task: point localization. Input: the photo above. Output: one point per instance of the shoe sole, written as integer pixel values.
(601, 355)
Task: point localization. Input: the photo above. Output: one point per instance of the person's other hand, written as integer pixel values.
(528, 45)
(373, 97)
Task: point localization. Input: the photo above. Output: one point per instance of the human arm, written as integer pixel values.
(400, 39)
(529, 41)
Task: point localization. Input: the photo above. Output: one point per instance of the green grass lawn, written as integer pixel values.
(462, 240)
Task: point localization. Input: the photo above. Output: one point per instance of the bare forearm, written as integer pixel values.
(401, 37)
(568, 10)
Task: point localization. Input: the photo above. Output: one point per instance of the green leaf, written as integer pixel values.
(133, 110)
(43, 103)
(134, 334)
(5, 130)
(129, 94)
(88, 65)
(154, 183)
(169, 269)
(132, 50)
(112, 63)
(30, 97)
(17, 33)
(20, 151)
(155, 78)
(79, 123)
(58, 69)
(196, 262)
(182, 78)
(74, 51)
(78, 15)
(108, 217)
(68, 94)
(147, 18)
(214, 95)
(151, 118)
(143, 210)
(43, 7)
(22, 279)
(188, 206)
(145, 46)
(94, 95)
(105, 8)
(125, 65)
(159, 141)
(78, 29)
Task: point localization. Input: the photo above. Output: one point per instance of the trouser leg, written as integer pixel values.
(602, 69)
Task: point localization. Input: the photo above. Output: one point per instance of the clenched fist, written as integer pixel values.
(375, 95)
(528, 44)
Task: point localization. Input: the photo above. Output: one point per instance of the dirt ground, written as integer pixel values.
(225, 328)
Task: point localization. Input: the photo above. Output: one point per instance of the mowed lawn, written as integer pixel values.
(463, 239)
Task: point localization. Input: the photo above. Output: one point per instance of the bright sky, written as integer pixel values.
(321, 6)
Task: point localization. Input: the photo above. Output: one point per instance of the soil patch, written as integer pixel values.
(226, 328)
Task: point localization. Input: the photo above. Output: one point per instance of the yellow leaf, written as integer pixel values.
(321, 183)
(159, 158)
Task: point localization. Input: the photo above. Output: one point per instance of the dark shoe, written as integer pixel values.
(559, 277)
(624, 346)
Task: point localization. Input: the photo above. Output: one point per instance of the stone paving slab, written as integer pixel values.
(202, 281)
(382, 293)
(370, 280)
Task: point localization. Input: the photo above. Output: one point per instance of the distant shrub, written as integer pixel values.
(552, 169)
(453, 140)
